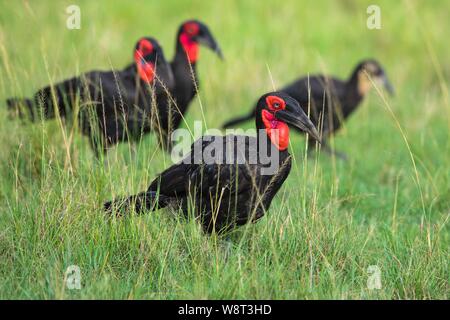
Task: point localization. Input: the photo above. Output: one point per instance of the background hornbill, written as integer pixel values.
(114, 106)
(228, 178)
(331, 100)
(184, 64)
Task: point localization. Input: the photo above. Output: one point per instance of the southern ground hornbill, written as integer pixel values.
(111, 106)
(191, 34)
(331, 100)
(228, 180)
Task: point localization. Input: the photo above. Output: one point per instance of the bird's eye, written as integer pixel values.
(275, 103)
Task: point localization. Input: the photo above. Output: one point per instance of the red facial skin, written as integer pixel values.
(277, 130)
(190, 30)
(146, 70)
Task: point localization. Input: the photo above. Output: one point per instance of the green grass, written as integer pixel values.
(388, 206)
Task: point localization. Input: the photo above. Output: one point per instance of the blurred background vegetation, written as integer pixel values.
(388, 206)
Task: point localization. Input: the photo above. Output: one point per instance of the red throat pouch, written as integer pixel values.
(277, 131)
(190, 47)
(146, 70)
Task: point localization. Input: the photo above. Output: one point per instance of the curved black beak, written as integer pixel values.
(387, 84)
(206, 38)
(293, 114)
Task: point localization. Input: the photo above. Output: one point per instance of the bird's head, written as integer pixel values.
(149, 59)
(191, 34)
(368, 71)
(275, 112)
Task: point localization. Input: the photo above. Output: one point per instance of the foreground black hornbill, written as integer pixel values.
(114, 106)
(331, 100)
(184, 64)
(229, 180)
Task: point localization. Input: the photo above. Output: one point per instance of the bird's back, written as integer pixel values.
(315, 87)
(320, 96)
(229, 172)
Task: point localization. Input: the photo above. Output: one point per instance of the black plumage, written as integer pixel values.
(229, 180)
(330, 100)
(111, 106)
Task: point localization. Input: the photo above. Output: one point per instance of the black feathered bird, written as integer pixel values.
(114, 106)
(230, 180)
(191, 34)
(331, 100)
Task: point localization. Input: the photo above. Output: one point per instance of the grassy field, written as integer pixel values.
(388, 206)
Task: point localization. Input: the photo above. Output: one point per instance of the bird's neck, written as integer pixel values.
(186, 83)
(355, 92)
(184, 72)
(187, 50)
(132, 72)
(272, 139)
(269, 154)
